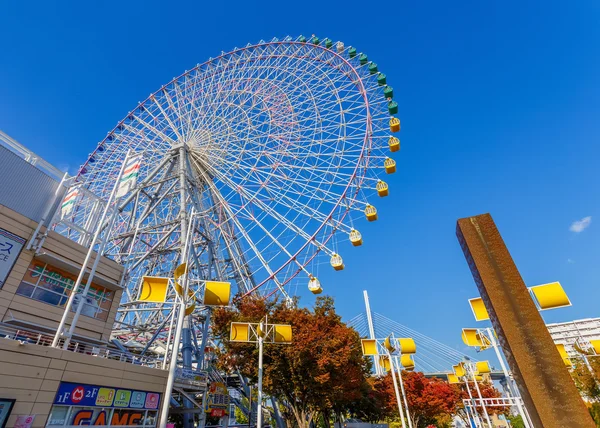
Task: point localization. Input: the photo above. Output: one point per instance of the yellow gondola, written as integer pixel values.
(371, 212)
(394, 144)
(394, 124)
(355, 238)
(390, 165)
(382, 188)
(336, 262)
(314, 285)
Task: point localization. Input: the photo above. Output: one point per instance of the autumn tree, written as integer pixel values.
(322, 371)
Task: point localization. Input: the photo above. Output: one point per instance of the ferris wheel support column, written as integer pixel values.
(186, 343)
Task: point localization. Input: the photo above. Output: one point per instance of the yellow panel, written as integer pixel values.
(190, 309)
(452, 378)
(479, 310)
(596, 345)
(407, 361)
(478, 378)
(550, 296)
(470, 337)
(216, 293)
(369, 347)
(240, 332)
(562, 351)
(179, 270)
(385, 363)
(283, 333)
(388, 344)
(154, 289)
(483, 367)
(407, 346)
(459, 370)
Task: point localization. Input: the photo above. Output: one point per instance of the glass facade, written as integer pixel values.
(52, 285)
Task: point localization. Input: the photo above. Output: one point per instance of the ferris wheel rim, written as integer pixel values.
(367, 139)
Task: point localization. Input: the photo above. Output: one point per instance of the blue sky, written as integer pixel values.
(499, 104)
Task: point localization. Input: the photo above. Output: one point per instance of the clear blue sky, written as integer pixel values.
(499, 103)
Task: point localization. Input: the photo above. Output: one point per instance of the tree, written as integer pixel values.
(429, 400)
(322, 371)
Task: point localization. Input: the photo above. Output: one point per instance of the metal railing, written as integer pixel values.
(37, 338)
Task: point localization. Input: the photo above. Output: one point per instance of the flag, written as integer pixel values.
(129, 177)
(68, 202)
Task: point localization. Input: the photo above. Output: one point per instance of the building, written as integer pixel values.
(90, 383)
(575, 332)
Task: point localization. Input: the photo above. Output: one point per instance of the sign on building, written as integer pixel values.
(217, 404)
(190, 379)
(81, 404)
(10, 248)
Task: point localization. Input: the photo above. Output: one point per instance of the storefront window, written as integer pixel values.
(51, 285)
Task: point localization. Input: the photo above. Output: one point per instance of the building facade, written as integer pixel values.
(578, 332)
(91, 382)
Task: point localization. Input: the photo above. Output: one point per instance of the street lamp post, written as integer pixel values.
(260, 333)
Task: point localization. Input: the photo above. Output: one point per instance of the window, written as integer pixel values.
(52, 285)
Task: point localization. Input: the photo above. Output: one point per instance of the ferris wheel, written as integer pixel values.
(280, 148)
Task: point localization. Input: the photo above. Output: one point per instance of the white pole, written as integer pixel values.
(164, 363)
(90, 252)
(508, 377)
(260, 378)
(410, 425)
(487, 417)
(396, 390)
(474, 407)
(164, 412)
(47, 212)
(378, 369)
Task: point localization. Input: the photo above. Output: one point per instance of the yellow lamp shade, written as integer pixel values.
(385, 363)
(550, 296)
(154, 289)
(459, 370)
(596, 345)
(240, 332)
(479, 310)
(387, 343)
(190, 309)
(563, 354)
(407, 361)
(216, 293)
(179, 270)
(452, 378)
(283, 333)
(407, 345)
(471, 337)
(369, 346)
(483, 367)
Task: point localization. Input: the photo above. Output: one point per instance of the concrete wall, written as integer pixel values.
(31, 374)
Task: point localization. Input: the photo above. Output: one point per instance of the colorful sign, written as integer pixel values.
(218, 400)
(10, 248)
(73, 394)
(187, 378)
(129, 176)
(6, 405)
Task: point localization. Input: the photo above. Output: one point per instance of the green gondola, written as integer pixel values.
(328, 43)
(388, 92)
(393, 107)
(351, 52)
(381, 79)
(363, 58)
(373, 68)
(302, 39)
(315, 40)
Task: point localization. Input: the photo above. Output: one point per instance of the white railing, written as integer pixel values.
(36, 338)
(492, 402)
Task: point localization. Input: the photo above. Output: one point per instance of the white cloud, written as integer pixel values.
(579, 226)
